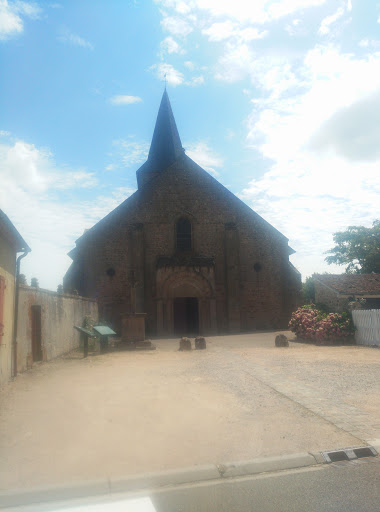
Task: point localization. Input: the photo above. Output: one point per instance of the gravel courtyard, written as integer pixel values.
(130, 412)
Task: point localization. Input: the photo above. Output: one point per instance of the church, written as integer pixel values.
(185, 251)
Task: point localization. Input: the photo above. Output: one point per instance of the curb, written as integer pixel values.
(21, 497)
(164, 478)
(375, 443)
(264, 465)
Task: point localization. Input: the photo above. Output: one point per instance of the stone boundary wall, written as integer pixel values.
(59, 313)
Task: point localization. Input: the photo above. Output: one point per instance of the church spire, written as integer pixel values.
(166, 145)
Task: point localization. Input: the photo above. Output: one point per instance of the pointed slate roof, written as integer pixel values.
(166, 144)
(165, 148)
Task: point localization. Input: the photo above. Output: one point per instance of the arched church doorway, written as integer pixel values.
(185, 303)
(186, 316)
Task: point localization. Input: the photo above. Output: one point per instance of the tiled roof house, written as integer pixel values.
(336, 290)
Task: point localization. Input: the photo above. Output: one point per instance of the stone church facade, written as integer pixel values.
(185, 251)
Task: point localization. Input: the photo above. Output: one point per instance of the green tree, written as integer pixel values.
(34, 282)
(22, 279)
(358, 248)
(308, 290)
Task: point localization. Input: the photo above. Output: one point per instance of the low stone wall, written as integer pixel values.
(53, 334)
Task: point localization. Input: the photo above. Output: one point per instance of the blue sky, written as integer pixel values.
(278, 99)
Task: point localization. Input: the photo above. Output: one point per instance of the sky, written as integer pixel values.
(278, 99)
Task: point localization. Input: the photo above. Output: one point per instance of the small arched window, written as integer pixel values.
(183, 235)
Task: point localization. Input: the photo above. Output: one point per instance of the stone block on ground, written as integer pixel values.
(185, 344)
(200, 343)
(281, 341)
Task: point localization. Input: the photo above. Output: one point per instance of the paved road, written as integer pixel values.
(129, 413)
(324, 385)
(339, 487)
(123, 414)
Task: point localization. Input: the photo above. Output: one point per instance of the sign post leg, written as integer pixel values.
(85, 346)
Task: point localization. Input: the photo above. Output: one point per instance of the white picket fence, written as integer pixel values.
(367, 323)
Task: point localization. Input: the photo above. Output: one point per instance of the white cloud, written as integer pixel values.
(189, 65)
(66, 36)
(130, 151)
(172, 75)
(24, 166)
(370, 44)
(323, 141)
(124, 100)
(11, 22)
(352, 132)
(227, 29)
(176, 26)
(220, 31)
(204, 156)
(74, 179)
(250, 34)
(297, 28)
(196, 80)
(235, 62)
(39, 197)
(29, 9)
(169, 45)
(310, 199)
(329, 20)
(259, 11)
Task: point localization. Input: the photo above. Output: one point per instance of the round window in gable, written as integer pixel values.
(110, 272)
(257, 267)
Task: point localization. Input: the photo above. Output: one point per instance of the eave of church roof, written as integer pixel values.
(165, 149)
(166, 144)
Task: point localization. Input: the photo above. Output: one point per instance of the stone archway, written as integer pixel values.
(187, 292)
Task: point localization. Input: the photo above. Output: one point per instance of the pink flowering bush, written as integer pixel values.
(309, 323)
(303, 322)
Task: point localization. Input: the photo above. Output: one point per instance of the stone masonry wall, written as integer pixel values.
(59, 314)
(324, 295)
